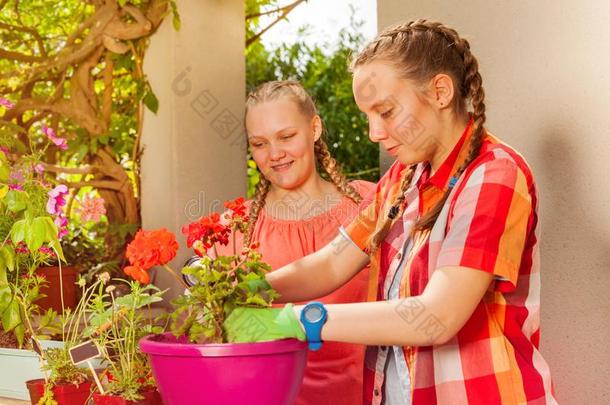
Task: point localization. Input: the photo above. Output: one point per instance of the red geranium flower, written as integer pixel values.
(148, 249)
(137, 274)
(208, 230)
(237, 208)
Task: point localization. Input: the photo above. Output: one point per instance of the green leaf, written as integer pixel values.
(18, 231)
(80, 154)
(151, 101)
(5, 293)
(56, 246)
(175, 16)
(11, 317)
(36, 234)
(15, 200)
(4, 170)
(20, 334)
(7, 254)
(51, 237)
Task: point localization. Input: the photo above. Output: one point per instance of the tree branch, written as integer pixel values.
(20, 57)
(287, 9)
(276, 10)
(69, 170)
(29, 30)
(105, 184)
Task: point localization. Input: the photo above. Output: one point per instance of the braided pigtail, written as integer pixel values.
(258, 202)
(336, 176)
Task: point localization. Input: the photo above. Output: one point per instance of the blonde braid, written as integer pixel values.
(330, 166)
(395, 212)
(258, 202)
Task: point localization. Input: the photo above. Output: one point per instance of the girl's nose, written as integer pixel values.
(276, 152)
(377, 133)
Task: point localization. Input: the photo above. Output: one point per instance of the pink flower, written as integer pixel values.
(22, 248)
(14, 186)
(6, 103)
(62, 225)
(39, 168)
(46, 251)
(5, 150)
(17, 176)
(57, 199)
(61, 143)
(91, 209)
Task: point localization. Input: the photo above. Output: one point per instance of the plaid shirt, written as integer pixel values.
(489, 223)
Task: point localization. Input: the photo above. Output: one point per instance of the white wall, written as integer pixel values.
(546, 73)
(194, 148)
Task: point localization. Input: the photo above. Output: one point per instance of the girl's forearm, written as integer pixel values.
(305, 279)
(404, 322)
(320, 273)
(432, 318)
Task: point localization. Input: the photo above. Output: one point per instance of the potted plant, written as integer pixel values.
(116, 324)
(65, 383)
(82, 243)
(194, 363)
(29, 237)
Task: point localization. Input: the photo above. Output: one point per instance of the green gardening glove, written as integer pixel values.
(263, 324)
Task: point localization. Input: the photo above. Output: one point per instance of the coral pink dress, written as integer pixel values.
(334, 373)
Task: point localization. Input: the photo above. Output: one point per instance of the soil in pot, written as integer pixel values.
(65, 394)
(8, 340)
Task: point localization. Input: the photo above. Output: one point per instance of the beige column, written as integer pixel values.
(194, 149)
(545, 68)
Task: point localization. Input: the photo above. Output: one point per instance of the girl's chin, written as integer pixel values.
(409, 159)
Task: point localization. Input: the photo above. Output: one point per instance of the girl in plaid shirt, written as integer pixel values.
(451, 234)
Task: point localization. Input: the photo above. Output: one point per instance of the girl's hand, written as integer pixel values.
(263, 324)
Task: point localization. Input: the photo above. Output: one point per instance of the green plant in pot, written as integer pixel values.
(192, 362)
(65, 382)
(116, 324)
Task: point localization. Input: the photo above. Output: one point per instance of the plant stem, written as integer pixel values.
(180, 280)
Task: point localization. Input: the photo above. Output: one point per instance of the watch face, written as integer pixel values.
(313, 314)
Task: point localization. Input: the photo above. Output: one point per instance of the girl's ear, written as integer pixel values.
(317, 127)
(443, 90)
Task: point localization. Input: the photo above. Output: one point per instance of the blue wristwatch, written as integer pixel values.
(313, 317)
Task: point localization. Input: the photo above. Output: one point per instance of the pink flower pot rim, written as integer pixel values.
(167, 344)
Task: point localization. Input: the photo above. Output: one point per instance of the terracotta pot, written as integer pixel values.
(52, 290)
(65, 394)
(151, 397)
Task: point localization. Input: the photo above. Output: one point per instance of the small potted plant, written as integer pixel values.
(68, 384)
(116, 324)
(194, 363)
(65, 383)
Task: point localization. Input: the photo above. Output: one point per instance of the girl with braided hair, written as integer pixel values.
(451, 235)
(295, 212)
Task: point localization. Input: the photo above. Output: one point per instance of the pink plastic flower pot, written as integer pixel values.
(267, 373)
